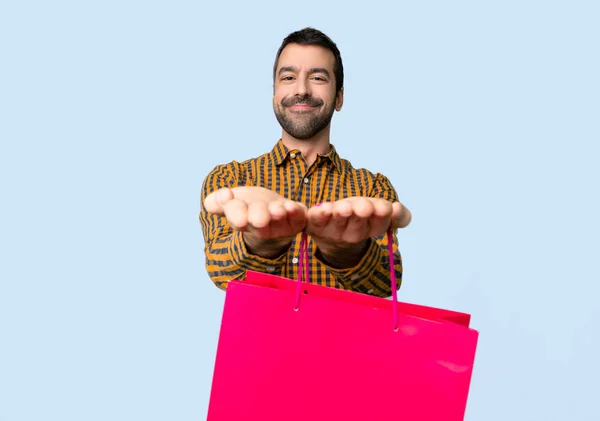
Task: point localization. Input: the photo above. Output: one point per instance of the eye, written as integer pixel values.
(319, 79)
(287, 78)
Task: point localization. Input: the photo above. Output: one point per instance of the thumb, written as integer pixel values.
(401, 216)
(215, 201)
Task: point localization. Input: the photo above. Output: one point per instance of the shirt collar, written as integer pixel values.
(280, 152)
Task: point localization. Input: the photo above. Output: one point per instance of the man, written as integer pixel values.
(253, 212)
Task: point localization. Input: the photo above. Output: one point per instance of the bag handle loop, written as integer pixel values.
(303, 266)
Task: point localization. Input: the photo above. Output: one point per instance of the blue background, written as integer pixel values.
(485, 116)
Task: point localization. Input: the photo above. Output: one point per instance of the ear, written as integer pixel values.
(339, 100)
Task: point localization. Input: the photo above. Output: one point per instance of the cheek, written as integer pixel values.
(277, 100)
(277, 103)
(326, 95)
(280, 93)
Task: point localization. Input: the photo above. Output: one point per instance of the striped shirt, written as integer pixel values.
(284, 171)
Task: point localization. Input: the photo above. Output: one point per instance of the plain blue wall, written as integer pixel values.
(483, 114)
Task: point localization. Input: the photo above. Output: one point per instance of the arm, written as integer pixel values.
(359, 259)
(372, 273)
(227, 256)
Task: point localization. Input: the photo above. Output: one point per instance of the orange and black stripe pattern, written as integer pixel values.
(330, 178)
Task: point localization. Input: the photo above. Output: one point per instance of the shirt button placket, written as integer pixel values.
(306, 192)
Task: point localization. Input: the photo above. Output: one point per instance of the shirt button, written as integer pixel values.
(306, 180)
(295, 260)
(270, 269)
(354, 277)
(292, 155)
(370, 291)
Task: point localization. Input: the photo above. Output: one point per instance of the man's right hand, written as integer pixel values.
(269, 221)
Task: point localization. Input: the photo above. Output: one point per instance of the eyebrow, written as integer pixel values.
(310, 72)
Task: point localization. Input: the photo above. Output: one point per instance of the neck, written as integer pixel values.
(311, 147)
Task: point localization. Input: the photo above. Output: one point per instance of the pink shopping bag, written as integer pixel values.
(292, 351)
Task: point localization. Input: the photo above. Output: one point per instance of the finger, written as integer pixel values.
(342, 210)
(215, 201)
(296, 216)
(294, 207)
(401, 216)
(258, 215)
(356, 230)
(291, 223)
(236, 212)
(250, 194)
(277, 211)
(362, 207)
(358, 225)
(319, 216)
(382, 215)
(381, 207)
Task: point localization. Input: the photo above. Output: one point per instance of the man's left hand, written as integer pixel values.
(346, 225)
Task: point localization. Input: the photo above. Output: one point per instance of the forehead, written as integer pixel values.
(306, 56)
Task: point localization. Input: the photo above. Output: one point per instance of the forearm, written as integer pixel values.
(371, 274)
(220, 266)
(228, 258)
(271, 248)
(342, 255)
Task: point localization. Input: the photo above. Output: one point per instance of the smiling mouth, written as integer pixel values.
(301, 107)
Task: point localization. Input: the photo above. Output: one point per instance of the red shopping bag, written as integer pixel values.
(292, 351)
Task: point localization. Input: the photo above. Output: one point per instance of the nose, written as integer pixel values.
(302, 87)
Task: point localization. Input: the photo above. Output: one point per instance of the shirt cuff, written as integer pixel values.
(363, 270)
(242, 257)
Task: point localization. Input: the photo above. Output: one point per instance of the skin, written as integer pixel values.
(304, 99)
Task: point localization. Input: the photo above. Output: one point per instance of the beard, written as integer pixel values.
(303, 124)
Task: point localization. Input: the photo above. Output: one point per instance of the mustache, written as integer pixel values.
(306, 100)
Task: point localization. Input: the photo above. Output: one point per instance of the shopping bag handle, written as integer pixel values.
(303, 266)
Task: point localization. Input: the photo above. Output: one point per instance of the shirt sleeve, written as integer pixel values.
(372, 274)
(225, 251)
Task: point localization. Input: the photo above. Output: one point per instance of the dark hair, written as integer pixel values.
(311, 36)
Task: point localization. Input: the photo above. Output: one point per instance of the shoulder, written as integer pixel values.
(235, 171)
(374, 176)
(226, 170)
(376, 183)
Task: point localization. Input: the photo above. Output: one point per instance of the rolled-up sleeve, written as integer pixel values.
(226, 255)
(372, 274)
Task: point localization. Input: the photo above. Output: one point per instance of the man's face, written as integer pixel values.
(304, 97)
